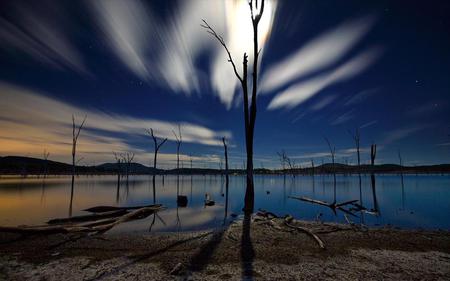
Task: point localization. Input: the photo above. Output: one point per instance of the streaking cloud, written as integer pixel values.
(28, 126)
(40, 38)
(317, 54)
(166, 52)
(128, 26)
(300, 92)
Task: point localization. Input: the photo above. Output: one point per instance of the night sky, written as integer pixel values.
(327, 67)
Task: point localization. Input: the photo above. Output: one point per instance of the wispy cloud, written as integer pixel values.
(401, 133)
(322, 103)
(361, 96)
(41, 39)
(347, 116)
(128, 26)
(300, 116)
(302, 91)
(28, 126)
(318, 54)
(166, 52)
(368, 124)
(341, 153)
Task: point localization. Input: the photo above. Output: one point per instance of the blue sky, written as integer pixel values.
(327, 67)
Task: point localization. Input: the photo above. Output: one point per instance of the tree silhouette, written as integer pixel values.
(157, 146)
(75, 134)
(249, 106)
(179, 140)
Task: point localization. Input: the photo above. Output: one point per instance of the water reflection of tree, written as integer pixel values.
(332, 149)
(75, 135)
(43, 187)
(376, 208)
(178, 221)
(119, 169)
(155, 214)
(401, 179)
(373, 154)
(226, 179)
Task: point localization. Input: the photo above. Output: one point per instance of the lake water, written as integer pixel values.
(417, 201)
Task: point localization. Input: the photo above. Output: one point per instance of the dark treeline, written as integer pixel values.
(17, 165)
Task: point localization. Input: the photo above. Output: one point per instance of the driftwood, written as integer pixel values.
(91, 217)
(98, 226)
(355, 226)
(332, 206)
(103, 209)
(353, 202)
(289, 219)
(139, 213)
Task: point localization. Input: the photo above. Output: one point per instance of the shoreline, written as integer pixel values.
(261, 250)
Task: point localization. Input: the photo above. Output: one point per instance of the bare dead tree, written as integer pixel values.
(400, 158)
(249, 112)
(75, 134)
(179, 140)
(373, 154)
(292, 165)
(225, 148)
(282, 158)
(332, 149)
(46, 155)
(357, 138)
(157, 146)
(128, 160)
(119, 159)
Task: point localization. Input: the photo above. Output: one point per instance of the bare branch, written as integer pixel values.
(79, 160)
(219, 38)
(80, 127)
(332, 149)
(46, 154)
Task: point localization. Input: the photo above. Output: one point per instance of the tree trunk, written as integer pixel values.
(250, 191)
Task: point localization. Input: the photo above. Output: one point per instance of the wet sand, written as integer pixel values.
(258, 251)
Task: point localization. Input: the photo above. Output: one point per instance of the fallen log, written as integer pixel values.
(289, 219)
(306, 199)
(353, 202)
(137, 214)
(332, 206)
(103, 209)
(266, 214)
(99, 226)
(359, 206)
(347, 212)
(90, 217)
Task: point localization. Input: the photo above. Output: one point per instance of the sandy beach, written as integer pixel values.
(263, 250)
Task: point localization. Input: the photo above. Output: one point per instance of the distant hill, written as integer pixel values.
(28, 165)
(19, 165)
(135, 168)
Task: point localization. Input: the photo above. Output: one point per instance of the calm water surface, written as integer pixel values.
(421, 201)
